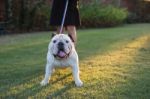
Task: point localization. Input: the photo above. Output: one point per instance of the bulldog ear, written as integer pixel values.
(53, 34)
(71, 37)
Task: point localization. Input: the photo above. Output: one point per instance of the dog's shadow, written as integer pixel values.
(59, 92)
(37, 88)
(60, 78)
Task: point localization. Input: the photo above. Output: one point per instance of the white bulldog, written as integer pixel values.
(62, 53)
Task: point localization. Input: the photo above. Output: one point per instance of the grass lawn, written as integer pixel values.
(114, 64)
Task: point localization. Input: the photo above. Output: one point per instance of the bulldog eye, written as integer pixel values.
(54, 41)
(67, 41)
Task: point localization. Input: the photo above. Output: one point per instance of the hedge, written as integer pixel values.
(95, 15)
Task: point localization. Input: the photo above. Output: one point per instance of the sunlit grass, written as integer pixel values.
(114, 63)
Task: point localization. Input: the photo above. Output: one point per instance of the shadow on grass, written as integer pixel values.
(60, 91)
(16, 82)
(138, 85)
(35, 87)
(138, 81)
(61, 78)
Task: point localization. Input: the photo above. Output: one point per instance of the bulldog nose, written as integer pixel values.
(61, 46)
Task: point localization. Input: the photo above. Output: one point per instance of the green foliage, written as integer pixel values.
(96, 15)
(41, 16)
(30, 15)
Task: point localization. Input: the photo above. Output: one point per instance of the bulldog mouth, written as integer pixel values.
(61, 54)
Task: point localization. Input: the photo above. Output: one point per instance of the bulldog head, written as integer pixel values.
(61, 45)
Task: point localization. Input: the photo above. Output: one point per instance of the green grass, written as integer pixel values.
(114, 64)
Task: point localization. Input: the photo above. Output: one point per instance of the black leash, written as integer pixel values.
(64, 16)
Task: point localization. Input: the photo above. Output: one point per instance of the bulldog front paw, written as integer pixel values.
(79, 83)
(44, 83)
